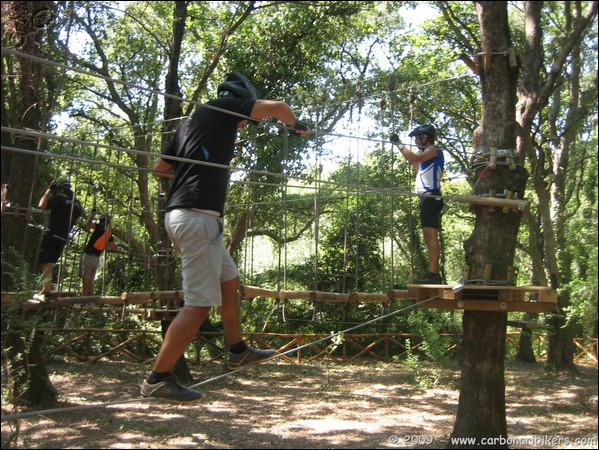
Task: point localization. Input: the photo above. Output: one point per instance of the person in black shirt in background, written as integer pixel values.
(65, 210)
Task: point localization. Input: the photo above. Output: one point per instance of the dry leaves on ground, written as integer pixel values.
(278, 405)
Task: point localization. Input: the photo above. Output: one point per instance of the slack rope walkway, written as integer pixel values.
(17, 416)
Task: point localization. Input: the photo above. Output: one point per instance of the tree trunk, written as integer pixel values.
(26, 21)
(481, 406)
(525, 352)
(27, 378)
(560, 353)
(536, 88)
(172, 109)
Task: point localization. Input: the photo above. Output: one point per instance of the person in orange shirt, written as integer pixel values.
(100, 239)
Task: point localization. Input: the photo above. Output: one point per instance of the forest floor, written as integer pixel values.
(279, 405)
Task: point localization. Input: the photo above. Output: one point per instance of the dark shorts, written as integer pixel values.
(430, 212)
(51, 248)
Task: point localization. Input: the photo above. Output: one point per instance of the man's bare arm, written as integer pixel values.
(162, 168)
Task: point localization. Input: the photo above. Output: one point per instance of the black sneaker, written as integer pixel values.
(429, 278)
(249, 356)
(170, 390)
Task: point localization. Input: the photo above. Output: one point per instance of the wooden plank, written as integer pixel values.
(398, 294)
(500, 292)
(491, 201)
(298, 295)
(145, 297)
(253, 291)
(368, 298)
(7, 297)
(329, 297)
(111, 300)
(489, 305)
(83, 300)
(67, 301)
(421, 292)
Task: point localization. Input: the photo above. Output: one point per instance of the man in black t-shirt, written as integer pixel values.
(194, 209)
(65, 209)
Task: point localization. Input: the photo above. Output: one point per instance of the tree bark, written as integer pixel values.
(172, 110)
(481, 406)
(535, 90)
(30, 381)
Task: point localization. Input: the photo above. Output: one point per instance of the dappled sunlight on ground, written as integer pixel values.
(277, 405)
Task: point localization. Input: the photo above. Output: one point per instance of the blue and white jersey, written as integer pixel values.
(429, 173)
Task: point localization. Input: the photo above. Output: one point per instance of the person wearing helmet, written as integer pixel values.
(430, 161)
(65, 209)
(100, 239)
(194, 208)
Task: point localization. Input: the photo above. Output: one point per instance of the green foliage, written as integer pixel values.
(351, 226)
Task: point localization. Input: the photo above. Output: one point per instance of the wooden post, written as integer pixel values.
(493, 158)
(508, 195)
(509, 276)
(487, 273)
(492, 193)
(465, 272)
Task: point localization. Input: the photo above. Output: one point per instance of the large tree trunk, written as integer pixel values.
(481, 407)
(23, 361)
(23, 369)
(172, 109)
(536, 88)
(24, 22)
(525, 350)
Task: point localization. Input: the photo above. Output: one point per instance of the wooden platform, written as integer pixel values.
(164, 305)
(533, 299)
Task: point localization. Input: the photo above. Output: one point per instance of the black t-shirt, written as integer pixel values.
(209, 135)
(64, 212)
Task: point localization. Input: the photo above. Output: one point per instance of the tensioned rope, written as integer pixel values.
(307, 180)
(156, 92)
(23, 415)
(65, 67)
(334, 185)
(40, 60)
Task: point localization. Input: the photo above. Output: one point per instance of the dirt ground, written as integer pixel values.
(279, 405)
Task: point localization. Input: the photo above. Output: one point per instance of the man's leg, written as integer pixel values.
(230, 310)
(180, 333)
(239, 353)
(47, 276)
(431, 238)
(87, 287)
(178, 336)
